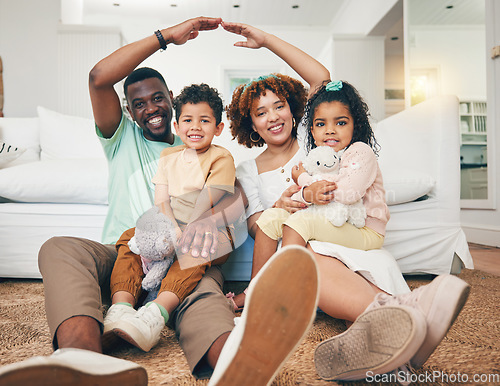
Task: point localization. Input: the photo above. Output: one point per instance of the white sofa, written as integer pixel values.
(58, 186)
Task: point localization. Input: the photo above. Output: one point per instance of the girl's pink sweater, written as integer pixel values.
(360, 178)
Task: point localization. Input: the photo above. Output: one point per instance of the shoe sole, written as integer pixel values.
(57, 375)
(379, 341)
(132, 335)
(442, 315)
(109, 340)
(280, 307)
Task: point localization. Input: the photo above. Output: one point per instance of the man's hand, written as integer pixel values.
(285, 201)
(188, 30)
(320, 192)
(201, 237)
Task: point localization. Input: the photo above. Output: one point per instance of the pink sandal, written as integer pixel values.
(231, 295)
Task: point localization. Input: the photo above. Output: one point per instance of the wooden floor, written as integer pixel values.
(485, 258)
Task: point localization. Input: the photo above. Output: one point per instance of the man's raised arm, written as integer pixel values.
(106, 104)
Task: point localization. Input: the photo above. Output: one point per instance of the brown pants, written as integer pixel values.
(76, 276)
(127, 272)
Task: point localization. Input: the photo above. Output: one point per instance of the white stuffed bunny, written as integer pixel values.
(154, 241)
(323, 163)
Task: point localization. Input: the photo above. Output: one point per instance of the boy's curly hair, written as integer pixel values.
(198, 93)
(349, 96)
(238, 112)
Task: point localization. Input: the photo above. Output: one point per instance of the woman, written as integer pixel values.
(266, 111)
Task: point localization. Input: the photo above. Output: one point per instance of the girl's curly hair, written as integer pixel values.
(350, 97)
(238, 112)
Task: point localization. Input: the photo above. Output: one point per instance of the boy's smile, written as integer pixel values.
(197, 126)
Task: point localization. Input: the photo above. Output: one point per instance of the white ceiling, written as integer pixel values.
(254, 12)
(308, 13)
(431, 12)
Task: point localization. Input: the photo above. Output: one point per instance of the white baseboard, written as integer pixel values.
(479, 234)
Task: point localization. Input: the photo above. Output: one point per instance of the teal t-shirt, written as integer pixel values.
(132, 162)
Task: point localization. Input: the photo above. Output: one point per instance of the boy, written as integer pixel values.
(190, 180)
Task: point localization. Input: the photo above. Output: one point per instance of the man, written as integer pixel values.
(76, 271)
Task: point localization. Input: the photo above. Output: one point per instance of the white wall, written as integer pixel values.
(360, 61)
(359, 17)
(28, 32)
(79, 49)
(394, 80)
(394, 72)
(444, 48)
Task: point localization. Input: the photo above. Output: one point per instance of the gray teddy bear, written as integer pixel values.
(154, 241)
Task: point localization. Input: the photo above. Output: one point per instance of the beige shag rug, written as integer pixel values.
(470, 351)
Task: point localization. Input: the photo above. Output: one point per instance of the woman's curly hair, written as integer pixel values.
(358, 108)
(238, 112)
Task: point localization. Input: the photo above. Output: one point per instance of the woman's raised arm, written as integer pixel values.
(312, 71)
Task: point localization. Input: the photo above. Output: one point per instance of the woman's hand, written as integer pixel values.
(201, 237)
(255, 37)
(285, 201)
(320, 192)
(297, 171)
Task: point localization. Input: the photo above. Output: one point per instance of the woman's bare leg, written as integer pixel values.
(264, 248)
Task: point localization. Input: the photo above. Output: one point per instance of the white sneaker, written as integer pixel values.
(142, 329)
(72, 366)
(379, 341)
(114, 314)
(440, 301)
(280, 307)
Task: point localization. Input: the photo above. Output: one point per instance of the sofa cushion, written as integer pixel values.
(405, 185)
(66, 136)
(9, 153)
(81, 181)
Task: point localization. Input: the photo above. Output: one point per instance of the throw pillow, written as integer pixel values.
(405, 185)
(9, 153)
(65, 136)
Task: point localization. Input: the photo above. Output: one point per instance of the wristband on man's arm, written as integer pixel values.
(161, 40)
